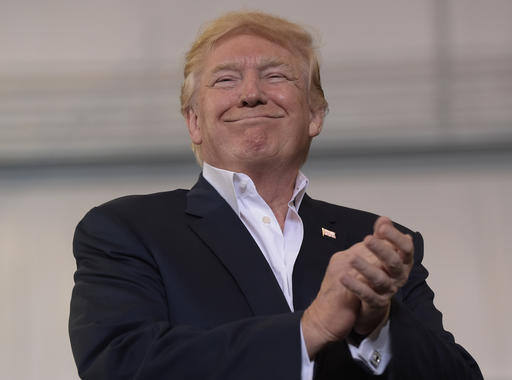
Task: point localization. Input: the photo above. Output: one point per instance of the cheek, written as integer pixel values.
(215, 104)
(281, 97)
(293, 99)
(284, 92)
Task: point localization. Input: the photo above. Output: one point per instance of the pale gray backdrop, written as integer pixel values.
(420, 129)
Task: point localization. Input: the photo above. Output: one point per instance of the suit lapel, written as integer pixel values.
(315, 252)
(217, 225)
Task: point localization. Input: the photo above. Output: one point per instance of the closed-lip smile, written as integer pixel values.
(249, 117)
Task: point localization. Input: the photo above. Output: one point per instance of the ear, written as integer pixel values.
(316, 123)
(193, 126)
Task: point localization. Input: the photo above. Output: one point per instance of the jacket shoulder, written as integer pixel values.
(358, 222)
(138, 210)
(145, 203)
(340, 212)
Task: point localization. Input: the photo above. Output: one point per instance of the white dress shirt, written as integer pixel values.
(281, 248)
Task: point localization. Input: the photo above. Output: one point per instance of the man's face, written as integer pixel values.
(251, 106)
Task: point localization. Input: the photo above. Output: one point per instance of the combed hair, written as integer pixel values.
(275, 29)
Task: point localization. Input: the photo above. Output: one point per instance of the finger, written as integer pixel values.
(403, 242)
(374, 276)
(381, 220)
(386, 253)
(364, 292)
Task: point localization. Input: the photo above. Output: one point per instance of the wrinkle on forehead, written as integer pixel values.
(260, 63)
(291, 54)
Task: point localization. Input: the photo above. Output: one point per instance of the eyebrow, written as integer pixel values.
(273, 62)
(263, 65)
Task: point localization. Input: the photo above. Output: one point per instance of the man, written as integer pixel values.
(245, 276)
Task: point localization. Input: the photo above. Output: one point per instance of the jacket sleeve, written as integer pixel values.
(421, 348)
(120, 328)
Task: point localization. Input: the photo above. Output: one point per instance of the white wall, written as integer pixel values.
(98, 81)
(88, 79)
(461, 208)
(463, 212)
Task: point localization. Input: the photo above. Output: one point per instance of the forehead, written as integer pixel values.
(248, 49)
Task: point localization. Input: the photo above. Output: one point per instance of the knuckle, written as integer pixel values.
(355, 261)
(395, 266)
(370, 241)
(379, 283)
(382, 301)
(382, 283)
(367, 297)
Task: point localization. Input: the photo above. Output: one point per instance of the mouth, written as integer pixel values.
(252, 118)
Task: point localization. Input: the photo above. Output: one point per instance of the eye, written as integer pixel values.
(276, 77)
(224, 81)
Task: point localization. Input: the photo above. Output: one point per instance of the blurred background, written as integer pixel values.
(419, 129)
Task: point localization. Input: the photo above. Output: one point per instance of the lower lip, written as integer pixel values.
(254, 118)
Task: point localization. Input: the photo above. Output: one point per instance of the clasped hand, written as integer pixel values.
(355, 294)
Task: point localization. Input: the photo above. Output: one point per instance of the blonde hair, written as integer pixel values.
(275, 29)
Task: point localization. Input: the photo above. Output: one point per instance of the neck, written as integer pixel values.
(274, 183)
(276, 188)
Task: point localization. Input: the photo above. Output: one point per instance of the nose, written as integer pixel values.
(252, 93)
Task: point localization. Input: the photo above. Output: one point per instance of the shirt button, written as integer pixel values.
(266, 219)
(243, 187)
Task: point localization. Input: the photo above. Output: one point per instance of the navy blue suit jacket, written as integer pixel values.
(172, 286)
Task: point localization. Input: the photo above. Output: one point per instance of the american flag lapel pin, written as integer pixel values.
(328, 233)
